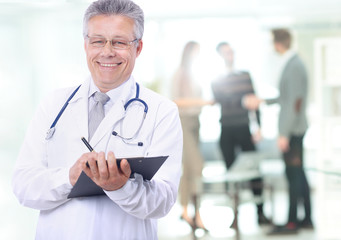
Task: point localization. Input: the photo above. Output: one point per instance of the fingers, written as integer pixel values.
(251, 102)
(114, 171)
(112, 165)
(283, 144)
(98, 168)
(125, 168)
(93, 167)
(76, 170)
(105, 172)
(89, 164)
(102, 166)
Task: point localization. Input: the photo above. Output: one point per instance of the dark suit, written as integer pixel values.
(229, 91)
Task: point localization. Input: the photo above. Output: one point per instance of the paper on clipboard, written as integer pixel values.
(146, 166)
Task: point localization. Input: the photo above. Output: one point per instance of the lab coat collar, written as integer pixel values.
(83, 91)
(79, 104)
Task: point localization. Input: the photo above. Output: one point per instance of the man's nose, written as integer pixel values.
(108, 49)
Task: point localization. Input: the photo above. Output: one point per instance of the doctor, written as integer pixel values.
(49, 165)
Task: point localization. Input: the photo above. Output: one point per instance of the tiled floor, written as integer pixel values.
(217, 213)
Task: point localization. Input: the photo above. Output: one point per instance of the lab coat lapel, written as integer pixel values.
(115, 114)
(79, 106)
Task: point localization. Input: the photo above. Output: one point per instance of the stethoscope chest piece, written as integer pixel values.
(52, 129)
(50, 133)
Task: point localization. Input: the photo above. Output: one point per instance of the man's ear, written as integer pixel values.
(139, 48)
(85, 45)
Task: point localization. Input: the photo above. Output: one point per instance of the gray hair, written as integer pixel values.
(125, 8)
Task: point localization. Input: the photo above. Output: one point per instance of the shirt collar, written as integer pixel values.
(288, 55)
(114, 94)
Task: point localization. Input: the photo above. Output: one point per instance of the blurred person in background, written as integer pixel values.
(229, 91)
(187, 94)
(292, 126)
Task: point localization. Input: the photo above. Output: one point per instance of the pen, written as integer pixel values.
(87, 144)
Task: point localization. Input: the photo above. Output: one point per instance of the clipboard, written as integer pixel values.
(146, 166)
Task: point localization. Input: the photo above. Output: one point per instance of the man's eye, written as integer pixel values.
(98, 41)
(120, 43)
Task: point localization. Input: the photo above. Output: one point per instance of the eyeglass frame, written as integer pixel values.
(129, 43)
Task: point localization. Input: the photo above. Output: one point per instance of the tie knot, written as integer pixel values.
(101, 97)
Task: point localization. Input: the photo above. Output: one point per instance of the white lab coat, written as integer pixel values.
(41, 176)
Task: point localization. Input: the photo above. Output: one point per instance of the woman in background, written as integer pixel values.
(187, 95)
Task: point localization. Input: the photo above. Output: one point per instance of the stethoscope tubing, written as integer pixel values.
(64, 107)
(52, 128)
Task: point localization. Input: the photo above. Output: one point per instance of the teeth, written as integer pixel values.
(108, 65)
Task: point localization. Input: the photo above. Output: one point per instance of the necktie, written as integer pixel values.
(96, 114)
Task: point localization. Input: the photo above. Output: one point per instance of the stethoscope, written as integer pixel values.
(127, 140)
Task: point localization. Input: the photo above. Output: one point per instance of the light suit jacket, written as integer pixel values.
(293, 98)
(41, 176)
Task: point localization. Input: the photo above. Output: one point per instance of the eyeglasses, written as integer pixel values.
(116, 43)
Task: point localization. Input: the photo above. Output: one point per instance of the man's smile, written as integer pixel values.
(109, 64)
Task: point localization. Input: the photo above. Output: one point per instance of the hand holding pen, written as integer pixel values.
(76, 170)
(105, 172)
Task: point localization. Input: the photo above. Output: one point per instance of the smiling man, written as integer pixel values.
(111, 64)
(49, 165)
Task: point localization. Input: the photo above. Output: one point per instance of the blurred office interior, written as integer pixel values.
(41, 48)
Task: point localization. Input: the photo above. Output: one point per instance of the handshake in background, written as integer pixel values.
(251, 101)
